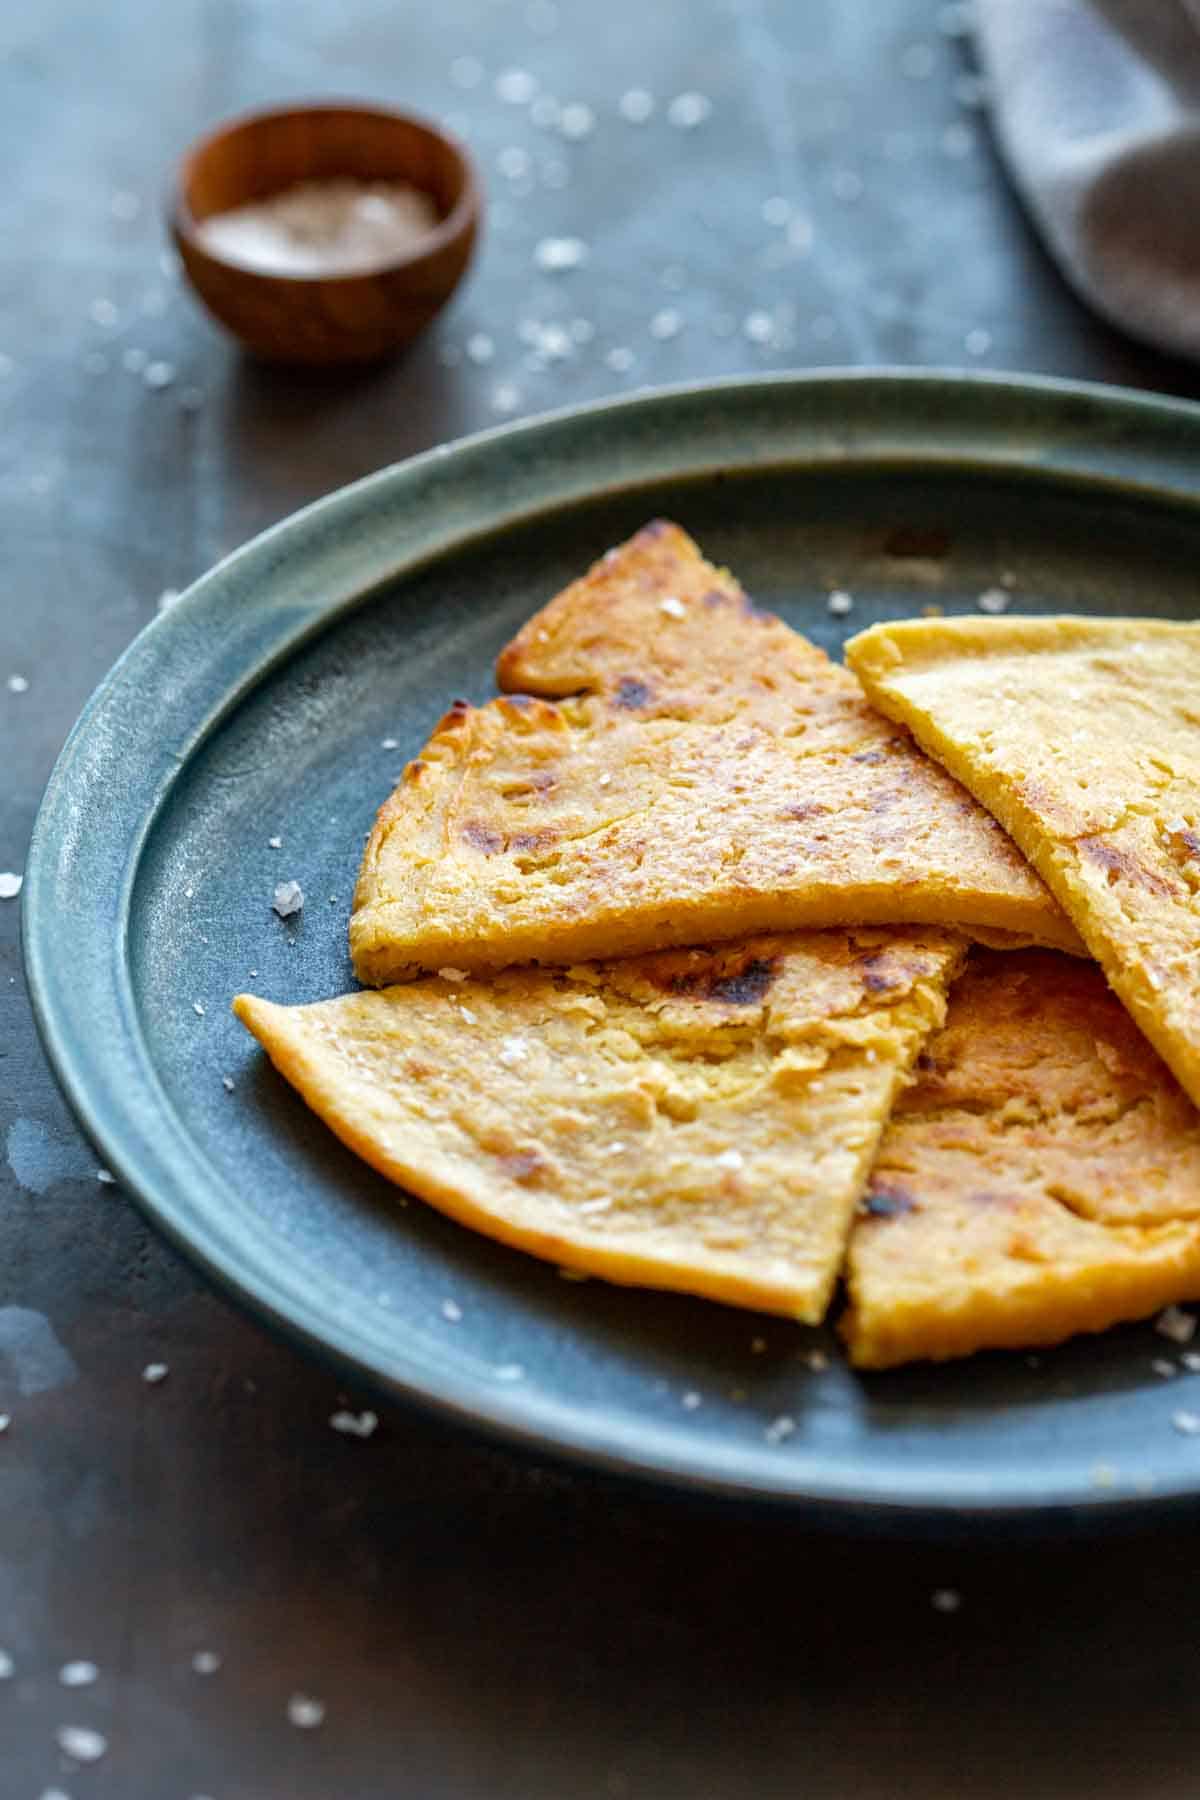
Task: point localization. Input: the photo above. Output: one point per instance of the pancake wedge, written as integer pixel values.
(1041, 1178)
(701, 1120)
(676, 768)
(1082, 737)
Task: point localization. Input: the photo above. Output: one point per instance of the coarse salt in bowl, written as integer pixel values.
(326, 233)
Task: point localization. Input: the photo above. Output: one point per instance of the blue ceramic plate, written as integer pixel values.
(280, 697)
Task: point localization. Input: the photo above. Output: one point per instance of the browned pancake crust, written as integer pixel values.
(1082, 737)
(701, 1120)
(676, 768)
(1041, 1178)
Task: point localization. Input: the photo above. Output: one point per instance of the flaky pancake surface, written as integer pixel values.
(700, 1120)
(671, 767)
(1040, 1178)
(1082, 737)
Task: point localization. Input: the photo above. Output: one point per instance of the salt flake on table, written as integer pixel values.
(576, 120)
(305, 1712)
(1172, 1322)
(274, 843)
(666, 323)
(480, 347)
(8, 1667)
(154, 1373)
(81, 1743)
(105, 1177)
(206, 1662)
(351, 1424)
(167, 599)
(10, 885)
(18, 684)
(993, 600)
(556, 254)
(779, 1429)
(452, 1311)
(516, 87)
(840, 603)
(636, 106)
(289, 899)
(5, 1422)
(78, 1674)
(686, 111)
(514, 163)
(159, 375)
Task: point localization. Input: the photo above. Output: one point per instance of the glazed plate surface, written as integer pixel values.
(260, 706)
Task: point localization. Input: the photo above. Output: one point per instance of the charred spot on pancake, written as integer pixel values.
(481, 838)
(879, 972)
(806, 809)
(525, 841)
(632, 694)
(741, 985)
(887, 1200)
(1117, 862)
(415, 770)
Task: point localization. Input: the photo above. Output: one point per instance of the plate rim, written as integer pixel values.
(1139, 436)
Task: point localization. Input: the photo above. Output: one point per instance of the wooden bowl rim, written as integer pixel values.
(459, 221)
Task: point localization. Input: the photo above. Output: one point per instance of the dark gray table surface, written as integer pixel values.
(475, 1624)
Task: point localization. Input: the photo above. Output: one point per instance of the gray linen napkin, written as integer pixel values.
(1096, 105)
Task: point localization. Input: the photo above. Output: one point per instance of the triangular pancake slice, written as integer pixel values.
(701, 1120)
(1041, 1178)
(1082, 737)
(676, 768)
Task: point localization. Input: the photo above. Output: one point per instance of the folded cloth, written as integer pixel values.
(1096, 105)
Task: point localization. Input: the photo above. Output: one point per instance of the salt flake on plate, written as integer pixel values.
(289, 899)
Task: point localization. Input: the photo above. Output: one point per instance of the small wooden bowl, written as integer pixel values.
(327, 318)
